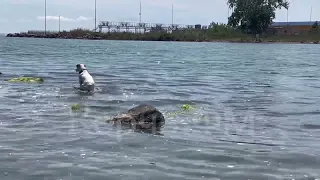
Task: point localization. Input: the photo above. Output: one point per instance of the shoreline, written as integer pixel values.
(97, 37)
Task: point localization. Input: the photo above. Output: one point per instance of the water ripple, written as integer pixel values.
(255, 114)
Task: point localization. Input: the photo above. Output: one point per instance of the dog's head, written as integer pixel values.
(80, 67)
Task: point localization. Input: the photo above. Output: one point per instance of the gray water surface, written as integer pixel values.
(256, 116)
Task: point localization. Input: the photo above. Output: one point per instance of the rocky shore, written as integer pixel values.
(107, 36)
(156, 37)
(53, 36)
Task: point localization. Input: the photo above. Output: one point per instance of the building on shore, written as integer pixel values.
(293, 28)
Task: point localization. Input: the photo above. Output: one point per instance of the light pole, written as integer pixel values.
(288, 16)
(311, 14)
(140, 18)
(172, 15)
(59, 23)
(45, 17)
(95, 15)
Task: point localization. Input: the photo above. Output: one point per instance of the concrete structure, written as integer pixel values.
(111, 26)
(291, 28)
(143, 27)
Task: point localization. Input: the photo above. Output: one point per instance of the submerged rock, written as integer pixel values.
(142, 117)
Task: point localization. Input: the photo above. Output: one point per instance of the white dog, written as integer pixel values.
(85, 79)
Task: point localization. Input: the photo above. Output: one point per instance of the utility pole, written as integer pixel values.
(311, 14)
(95, 15)
(140, 18)
(228, 13)
(140, 13)
(59, 23)
(45, 17)
(288, 16)
(288, 22)
(172, 15)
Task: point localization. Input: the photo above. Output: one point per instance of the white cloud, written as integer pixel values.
(56, 18)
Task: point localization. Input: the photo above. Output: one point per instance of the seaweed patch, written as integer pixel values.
(27, 80)
(184, 109)
(76, 107)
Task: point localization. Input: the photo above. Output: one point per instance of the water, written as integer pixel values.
(256, 110)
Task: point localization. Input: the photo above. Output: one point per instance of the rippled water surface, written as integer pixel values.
(256, 110)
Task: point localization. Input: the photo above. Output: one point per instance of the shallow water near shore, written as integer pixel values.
(256, 110)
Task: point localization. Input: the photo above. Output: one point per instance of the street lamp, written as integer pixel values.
(45, 17)
(95, 15)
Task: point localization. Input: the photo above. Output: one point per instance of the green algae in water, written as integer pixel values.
(27, 80)
(76, 107)
(186, 107)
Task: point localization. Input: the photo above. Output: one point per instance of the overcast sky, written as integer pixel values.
(23, 15)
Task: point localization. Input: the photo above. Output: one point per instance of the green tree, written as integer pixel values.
(254, 16)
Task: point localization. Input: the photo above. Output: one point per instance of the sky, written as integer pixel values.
(24, 15)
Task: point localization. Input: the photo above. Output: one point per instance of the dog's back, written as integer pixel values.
(86, 78)
(86, 81)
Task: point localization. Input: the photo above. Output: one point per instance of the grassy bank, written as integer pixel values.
(216, 33)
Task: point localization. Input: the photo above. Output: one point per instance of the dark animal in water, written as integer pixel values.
(142, 117)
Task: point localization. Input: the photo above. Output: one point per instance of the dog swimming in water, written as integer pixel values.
(85, 79)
